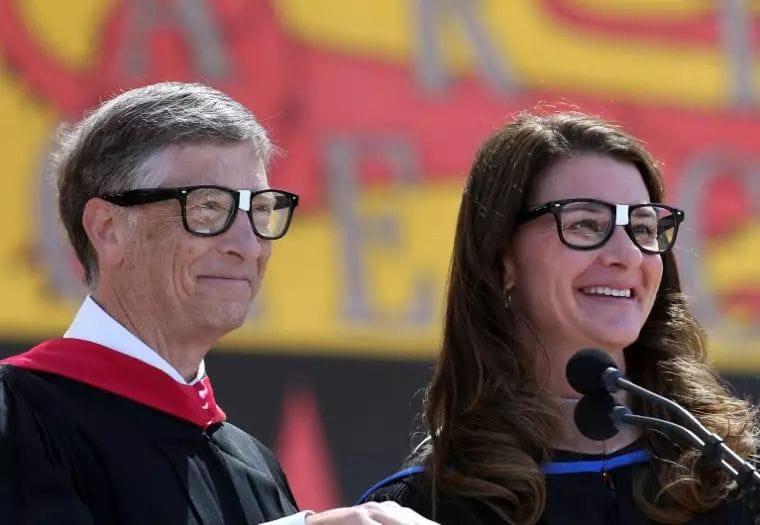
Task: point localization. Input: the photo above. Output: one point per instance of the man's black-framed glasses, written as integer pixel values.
(586, 224)
(209, 210)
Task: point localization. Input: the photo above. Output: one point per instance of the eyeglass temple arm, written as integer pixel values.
(128, 198)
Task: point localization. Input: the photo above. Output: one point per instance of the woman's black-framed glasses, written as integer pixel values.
(586, 224)
(209, 210)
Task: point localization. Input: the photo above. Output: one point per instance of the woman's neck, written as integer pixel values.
(573, 440)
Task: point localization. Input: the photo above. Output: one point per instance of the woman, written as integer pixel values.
(540, 270)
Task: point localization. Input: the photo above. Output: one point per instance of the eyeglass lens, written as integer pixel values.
(586, 224)
(208, 210)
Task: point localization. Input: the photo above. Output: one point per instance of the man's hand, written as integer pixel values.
(371, 513)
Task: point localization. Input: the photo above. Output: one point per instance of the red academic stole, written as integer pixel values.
(125, 376)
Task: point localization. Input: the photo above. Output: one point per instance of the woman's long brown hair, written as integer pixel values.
(488, 414)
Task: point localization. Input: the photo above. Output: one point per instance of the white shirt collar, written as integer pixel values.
(93, 324)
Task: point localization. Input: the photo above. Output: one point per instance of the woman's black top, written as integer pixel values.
(580, 489)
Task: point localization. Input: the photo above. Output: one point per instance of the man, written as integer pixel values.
(163, 193)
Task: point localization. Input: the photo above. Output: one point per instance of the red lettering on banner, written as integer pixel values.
(702, 28)
(303, 451)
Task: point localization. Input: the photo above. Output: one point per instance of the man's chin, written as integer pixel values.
(225, 317)
(233, 320)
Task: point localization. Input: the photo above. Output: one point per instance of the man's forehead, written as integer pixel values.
(234, 165)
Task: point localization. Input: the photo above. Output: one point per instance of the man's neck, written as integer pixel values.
(184, 353)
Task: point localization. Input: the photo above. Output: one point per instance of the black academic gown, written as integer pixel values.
(91, 436)
(580, 490)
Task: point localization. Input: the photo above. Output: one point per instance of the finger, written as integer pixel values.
(385, 512)
(391, 513)
(414, 517)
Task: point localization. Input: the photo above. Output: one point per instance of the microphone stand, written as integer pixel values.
(623, 415)
(713, 448)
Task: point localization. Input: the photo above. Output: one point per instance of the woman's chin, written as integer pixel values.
(612, 341)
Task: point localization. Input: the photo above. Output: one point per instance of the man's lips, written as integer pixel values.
(226, 278)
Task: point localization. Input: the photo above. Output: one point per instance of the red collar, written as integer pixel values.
(125, 376)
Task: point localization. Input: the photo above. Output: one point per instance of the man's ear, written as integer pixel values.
(103, 229)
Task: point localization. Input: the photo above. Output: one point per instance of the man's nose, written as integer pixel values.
(241, 239)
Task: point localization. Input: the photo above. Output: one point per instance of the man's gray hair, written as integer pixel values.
(107, 151)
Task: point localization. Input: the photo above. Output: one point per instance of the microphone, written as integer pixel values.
(591, 371)
(599, 417)
(594, 373)
(593, 417)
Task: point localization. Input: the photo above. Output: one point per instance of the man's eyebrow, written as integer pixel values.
(265, 196)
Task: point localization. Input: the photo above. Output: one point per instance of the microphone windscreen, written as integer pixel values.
(593, 417)
(585, 369)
